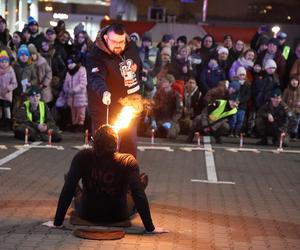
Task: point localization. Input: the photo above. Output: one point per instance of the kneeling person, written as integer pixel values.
(36, 117)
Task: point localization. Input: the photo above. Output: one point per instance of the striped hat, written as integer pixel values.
(4, 56)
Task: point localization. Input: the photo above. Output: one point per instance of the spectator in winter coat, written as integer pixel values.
(35, 116)
(44, 73)
(264, 84)
(272, 120)
(223, 60)
(8, 83)
(14, 44)
(211, 75)
(238, 49)
(291, 96)
(82, 45)
(247, 61)
(273, 53)
(191, 105)
(147, 52)
(4, 32)
(166, 111)
(236, 122)
(36, 38)
(207, 49)
(26, 76)
(75, 89)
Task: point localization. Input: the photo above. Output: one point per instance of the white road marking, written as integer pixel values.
(235, 150)
(210, 162)
(39, 146)
(143, 148)
(16, 154)
(84, 146)
(3, 147)
(190, 149)
(5, 168)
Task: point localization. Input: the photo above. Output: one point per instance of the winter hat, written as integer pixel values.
(4, 56)
(50, 31)
(134, 37)
(2, 20)
(166, 38)
(32, 21)
(146, 37)
(72, 59)
(273, 41)
(223, 50)
(235, 85)
(182, 39)
(270, 63)
(33, 90)
(78, 28)
(241, 71)
(23, 50)
(166, 50)
(281, 35)
(276, 92)
(32, 49)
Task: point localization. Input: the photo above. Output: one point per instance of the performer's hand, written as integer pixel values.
(270, 118)
(158, 230)
(106, 98)
(50, 224)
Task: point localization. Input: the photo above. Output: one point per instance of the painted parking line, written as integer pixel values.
(15, 154)
(3, 147)
(210, 165)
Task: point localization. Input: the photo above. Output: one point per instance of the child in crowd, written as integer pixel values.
(236, 122)
(75, 90)
(291, 96)
(8, 83)
(26, 76)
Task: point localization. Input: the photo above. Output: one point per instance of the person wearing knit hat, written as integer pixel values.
(241, 71)
(23, 50)
(8, 83)
(270, 64)
(135, 37)
(36, 38)
(234, 86)
(4, 56)
(222, 50)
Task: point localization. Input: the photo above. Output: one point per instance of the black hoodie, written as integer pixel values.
(118, 74)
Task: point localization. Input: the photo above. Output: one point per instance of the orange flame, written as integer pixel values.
(124, 118)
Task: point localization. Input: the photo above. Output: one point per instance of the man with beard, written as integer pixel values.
(113, 71)
(36, 38)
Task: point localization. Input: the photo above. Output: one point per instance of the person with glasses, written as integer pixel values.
(114, 70)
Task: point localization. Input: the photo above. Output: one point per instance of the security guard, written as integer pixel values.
(36, 117)
(213, 119)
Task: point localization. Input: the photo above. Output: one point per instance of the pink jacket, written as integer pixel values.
(8, 83)
(75, 88)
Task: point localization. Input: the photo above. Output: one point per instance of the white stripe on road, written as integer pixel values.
(16, 154)
(210, 162)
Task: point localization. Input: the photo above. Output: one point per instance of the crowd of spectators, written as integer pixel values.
(180, 78)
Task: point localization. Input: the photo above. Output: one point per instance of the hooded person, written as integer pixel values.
(44, 73)
(113, 70)
(36, 38)
(35, 116)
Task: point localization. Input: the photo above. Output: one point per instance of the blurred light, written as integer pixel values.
(48, 8)
(275, 29)
(60, 16)
(6, 13)
(269, 7)
(265, 11)
(289, 17)
(53, 23)
(106, 17)
(29, 1)
(17, 10)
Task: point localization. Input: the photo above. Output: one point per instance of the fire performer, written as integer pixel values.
(106, 176)
(113, 71)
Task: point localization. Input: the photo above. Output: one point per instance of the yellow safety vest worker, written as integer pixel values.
(41, 109)
(219, 113)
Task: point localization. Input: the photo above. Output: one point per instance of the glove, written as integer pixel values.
(106, 98)
(153, 124)
(167, 125)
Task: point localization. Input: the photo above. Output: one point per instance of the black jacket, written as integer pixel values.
(118, 74)
(105, 183)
